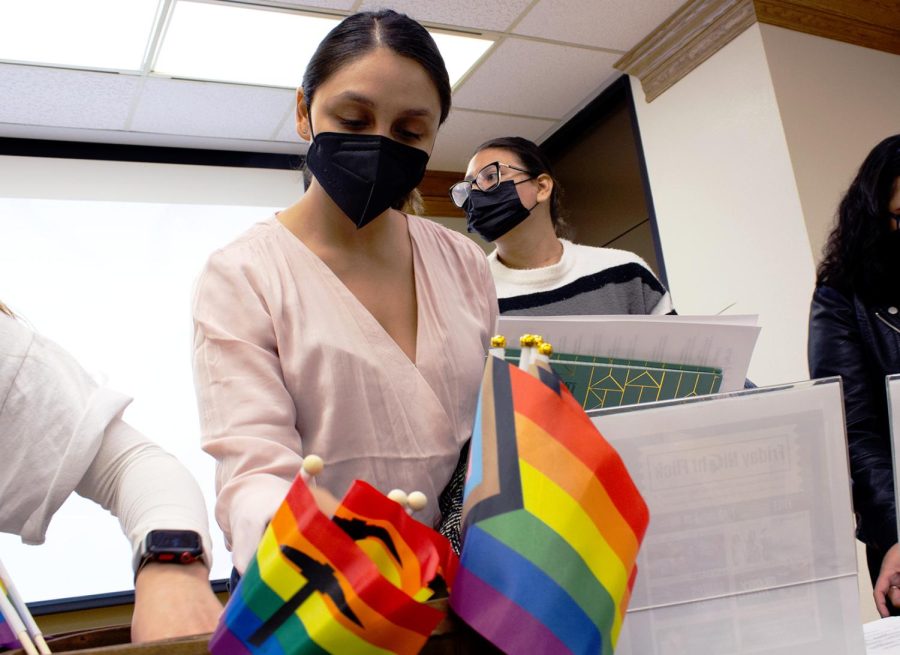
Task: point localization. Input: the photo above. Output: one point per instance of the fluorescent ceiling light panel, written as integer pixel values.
(460, 52)
(269, 47)
(104, 34)
(239, 44)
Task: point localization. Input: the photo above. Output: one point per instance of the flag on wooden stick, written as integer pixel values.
(552, 521)
(348, 585)
(7, 636)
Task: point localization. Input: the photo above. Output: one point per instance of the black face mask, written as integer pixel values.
(365, 174)
(493, 214)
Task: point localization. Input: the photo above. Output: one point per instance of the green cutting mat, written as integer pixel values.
(599, 382)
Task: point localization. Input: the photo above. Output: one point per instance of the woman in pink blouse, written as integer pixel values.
(342, 327)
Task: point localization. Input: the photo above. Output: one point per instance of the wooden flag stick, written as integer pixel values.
(498, 346)
(528, 343)
(543, 353)
(19, 604)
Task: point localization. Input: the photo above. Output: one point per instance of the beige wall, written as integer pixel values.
(748, 157)
(729, 217)
(836, 102)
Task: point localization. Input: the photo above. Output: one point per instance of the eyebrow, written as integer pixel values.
(358, 98)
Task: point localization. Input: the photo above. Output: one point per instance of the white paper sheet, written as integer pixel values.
(883, 636)
(722, 342)
(750, 545)
(712, 319)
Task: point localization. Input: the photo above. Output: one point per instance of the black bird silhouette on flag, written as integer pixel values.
(358, 529)
(319, 577)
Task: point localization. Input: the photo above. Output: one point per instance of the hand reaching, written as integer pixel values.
(887, 586)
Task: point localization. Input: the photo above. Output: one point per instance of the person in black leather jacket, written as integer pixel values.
(854, 332)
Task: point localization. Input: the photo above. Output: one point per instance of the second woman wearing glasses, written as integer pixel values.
(512, 200)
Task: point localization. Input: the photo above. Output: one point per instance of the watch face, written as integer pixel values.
(173, 540)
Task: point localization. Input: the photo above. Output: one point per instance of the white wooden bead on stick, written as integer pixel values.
(416, 501)
(398, 496)
(312, 466)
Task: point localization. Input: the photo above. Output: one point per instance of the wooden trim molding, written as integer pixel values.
(685, 40)
(867, 23)
(434, 189)
(700, 28)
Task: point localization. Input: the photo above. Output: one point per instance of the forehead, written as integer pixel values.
(490, 155)
(389, 80)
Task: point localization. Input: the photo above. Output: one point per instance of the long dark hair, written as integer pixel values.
(855, 259)
(536, 163)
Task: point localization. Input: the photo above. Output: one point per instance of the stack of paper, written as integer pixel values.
(711, 342)
(883, 636)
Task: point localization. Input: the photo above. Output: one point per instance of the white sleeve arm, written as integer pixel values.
(145, 487)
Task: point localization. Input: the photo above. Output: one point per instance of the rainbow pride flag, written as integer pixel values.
(8, 639)
(7, 636)
(406, 552)
(552, 521)
(348, 585)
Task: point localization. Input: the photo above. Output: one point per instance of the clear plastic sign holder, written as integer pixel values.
(750, 547)
(892, 384)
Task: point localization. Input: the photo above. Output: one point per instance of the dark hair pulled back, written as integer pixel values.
(361, 33)
(533, 159)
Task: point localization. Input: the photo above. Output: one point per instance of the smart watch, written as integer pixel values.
(170, 547)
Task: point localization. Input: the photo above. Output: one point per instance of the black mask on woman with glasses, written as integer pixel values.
(493, 213)
(492, 206)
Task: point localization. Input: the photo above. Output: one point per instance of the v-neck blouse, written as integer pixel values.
(289, 362)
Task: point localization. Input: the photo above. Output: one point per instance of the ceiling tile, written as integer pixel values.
(472, 14)
(535, 79)
(466, 130)
(33, 95)
(210, 109)
(342, 5)
(615, 24)
(123, 137)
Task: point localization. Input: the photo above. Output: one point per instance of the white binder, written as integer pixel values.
(750, 546)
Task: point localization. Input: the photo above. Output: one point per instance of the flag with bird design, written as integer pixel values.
(351, 584)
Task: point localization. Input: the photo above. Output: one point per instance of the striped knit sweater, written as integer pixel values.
(586, 280)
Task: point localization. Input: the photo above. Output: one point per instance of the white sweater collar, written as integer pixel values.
(536, 276)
